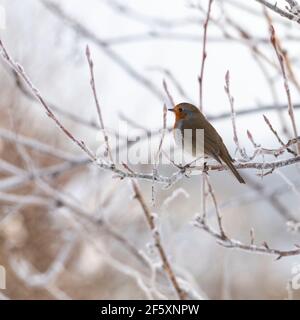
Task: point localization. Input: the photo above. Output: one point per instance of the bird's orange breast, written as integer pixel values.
(179, 116)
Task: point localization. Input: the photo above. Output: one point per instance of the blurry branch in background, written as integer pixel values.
(171, 99)
(34, 279)
(37, 145)
(71, 116)
(130, 13)
(118, 59)
(93, 125)
(19, 69)
(252, 110)
(50, 171)
(168, 73)
(166, 29)
(260, 192)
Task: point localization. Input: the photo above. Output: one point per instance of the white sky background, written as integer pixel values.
(42, 43)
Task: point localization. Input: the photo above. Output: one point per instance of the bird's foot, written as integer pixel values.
(205, 168)
(184, 169)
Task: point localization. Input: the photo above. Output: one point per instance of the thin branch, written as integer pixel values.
(93, 125)
(68, 115)
(278, 137)
(204, 55)
(50, 172)
(247, 40)
(272, 196)
(10, 168)
(171, 100)
(279, 11)
(37, 145)
(19, 69)
(236, 244)
(159, 151)
(281, 59)
(251, 110)
(156, 236)
(165, 110)
(233, 116)
(169, 74)
(100, 117)
(218, 214)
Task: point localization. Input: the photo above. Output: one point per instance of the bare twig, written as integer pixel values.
(156, 236)
(68, 115)
(168, 73)
(159, 151)
(252, 110)
(233, 115)
(37, 145)
(165, 110)
(50, 172)
(92, 124)
(279, 11)
(19, 69)
(236, 244)
(286, 84)
(100, 117)
(277, 136)
(204, 55)
(218, 214)
(171, 100)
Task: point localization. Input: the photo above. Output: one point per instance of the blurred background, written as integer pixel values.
(69, 230)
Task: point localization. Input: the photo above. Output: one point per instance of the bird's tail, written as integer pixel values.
(233, 170)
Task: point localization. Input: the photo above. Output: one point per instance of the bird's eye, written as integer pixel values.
(180, 109)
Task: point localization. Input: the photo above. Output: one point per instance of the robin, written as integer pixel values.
(189, 119)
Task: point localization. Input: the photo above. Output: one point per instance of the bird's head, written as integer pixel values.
(185, 111)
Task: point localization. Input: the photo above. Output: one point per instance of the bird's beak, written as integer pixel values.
(172, 110)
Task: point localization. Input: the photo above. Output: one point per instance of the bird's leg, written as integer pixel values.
(186, 168)
(178, 166)
(205, 168)
(191, 165)
(183, 168)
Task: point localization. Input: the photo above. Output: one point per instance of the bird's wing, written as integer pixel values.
(212, 140)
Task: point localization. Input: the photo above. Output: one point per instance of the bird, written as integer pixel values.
(188, 116)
